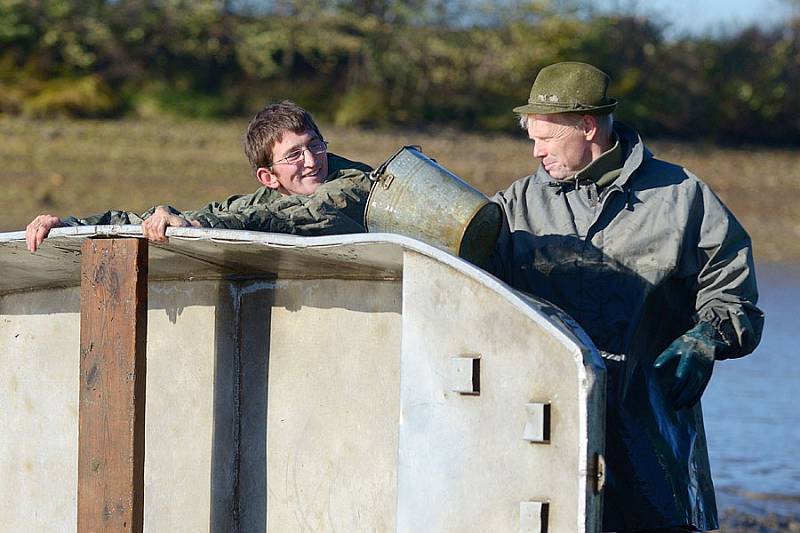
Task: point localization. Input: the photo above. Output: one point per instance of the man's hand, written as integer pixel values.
(692, 357)
(39, 229)
(155, 226)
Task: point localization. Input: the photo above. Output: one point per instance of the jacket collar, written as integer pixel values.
(598, 170)
(634, 150)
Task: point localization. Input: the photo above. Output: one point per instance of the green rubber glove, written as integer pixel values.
(692, 357)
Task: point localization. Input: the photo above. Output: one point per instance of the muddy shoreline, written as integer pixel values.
(733, 520)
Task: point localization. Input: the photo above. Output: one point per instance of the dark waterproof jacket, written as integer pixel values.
(637, 264)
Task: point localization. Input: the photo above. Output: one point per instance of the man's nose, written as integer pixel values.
(309, 158)
(538, 150)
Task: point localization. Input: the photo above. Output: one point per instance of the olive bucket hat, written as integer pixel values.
(569, 87)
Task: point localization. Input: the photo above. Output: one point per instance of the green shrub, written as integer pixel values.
(86, 96)
(364, 106)
(162, 99)
(11, 99)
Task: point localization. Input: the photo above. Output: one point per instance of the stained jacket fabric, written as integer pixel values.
(637, 264)
(337, 206)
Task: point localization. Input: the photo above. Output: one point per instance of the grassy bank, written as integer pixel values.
(84, 167)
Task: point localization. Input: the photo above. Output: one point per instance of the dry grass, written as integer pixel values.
(85, 167)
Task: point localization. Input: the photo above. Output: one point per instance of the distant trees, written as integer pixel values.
(382, 62)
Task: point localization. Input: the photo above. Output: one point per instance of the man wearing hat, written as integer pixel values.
(656, 270)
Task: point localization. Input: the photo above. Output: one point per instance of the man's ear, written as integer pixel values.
(590, 127)
(267, 178)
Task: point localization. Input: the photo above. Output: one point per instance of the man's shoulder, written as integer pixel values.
(660, 173)
(337, 163)
(529, 188)
(262, 195)
(675, 184)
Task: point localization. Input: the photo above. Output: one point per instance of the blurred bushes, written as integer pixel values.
(380, 61)
(87, 96)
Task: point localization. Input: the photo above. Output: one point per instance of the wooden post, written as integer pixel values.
(112, 394)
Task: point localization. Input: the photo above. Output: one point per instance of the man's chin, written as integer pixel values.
(557, 173)
(310, 183)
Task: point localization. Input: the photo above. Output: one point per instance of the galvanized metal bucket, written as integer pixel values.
(415, 196)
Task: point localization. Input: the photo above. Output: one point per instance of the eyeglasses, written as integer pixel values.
(298, 154)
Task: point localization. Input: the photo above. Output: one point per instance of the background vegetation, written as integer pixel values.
(383, 62)
(378, 74)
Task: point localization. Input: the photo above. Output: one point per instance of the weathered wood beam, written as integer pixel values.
(112, 385)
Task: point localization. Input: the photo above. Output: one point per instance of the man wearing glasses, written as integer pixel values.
(305, 190)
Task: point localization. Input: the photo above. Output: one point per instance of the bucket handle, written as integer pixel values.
(379, 174)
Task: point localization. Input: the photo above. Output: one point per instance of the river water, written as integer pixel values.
(752, 408)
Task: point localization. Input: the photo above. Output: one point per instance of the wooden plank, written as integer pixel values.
(112, 387)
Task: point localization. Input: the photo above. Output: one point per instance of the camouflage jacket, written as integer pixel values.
(337, 206)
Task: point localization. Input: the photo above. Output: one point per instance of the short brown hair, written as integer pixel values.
(268, 127)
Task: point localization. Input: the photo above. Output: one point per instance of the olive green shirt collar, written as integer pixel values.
(603, 170)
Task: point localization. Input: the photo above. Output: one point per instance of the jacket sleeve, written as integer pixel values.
(215, 214)
(207, 213)
(108, 218)
(717, 259)
(512, 204)
(336, 207)
(212, 215)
